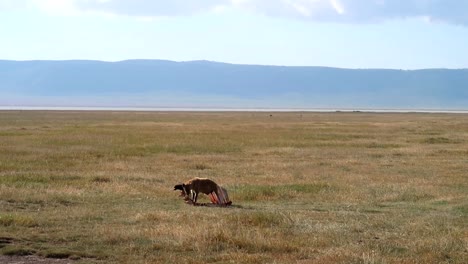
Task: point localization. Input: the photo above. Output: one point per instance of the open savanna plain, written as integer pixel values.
(97, 187)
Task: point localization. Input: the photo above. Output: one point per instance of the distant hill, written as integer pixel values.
(157, 83)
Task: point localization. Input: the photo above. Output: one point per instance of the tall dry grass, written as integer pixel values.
(306, 187)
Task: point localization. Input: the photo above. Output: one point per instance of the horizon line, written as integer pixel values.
(228, 63)
(234, 109)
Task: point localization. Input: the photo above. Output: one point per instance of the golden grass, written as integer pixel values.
(306, 187)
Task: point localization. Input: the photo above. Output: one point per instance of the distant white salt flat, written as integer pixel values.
(220, 109)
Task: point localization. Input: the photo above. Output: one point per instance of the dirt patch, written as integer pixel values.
(32, 260)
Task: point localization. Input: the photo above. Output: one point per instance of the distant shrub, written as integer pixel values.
(201, 167)
(437, 140)
(58, 254)
(382, 145)
(101, 179)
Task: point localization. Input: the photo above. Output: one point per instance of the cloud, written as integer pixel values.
(9, 4)
(152, 7)
(343, 11)
(62, 7)
(449, 11)
(363, 11)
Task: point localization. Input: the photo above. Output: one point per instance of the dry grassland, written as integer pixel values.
(307, 187)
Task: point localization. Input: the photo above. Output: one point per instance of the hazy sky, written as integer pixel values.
(401, 34)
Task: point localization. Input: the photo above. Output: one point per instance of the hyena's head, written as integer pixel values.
(185, 189)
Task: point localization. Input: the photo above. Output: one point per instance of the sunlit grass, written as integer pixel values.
(306, 187)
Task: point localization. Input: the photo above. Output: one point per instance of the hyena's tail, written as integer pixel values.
(221, 198)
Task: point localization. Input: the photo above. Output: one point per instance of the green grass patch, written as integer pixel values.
(36, 179)
(375, 145)
(179, 149)
(260, 219)
(271, 192)
(412, 196)
(7, 220)
(441, 203)
(225, 240)
(439, 140)
(462, 209)
(17, 251)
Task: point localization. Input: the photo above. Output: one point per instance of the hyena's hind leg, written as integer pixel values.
(213, 198)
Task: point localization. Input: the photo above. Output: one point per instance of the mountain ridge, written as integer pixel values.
(225, 63)
(202, 83)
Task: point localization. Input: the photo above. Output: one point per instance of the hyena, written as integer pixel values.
(195, 186)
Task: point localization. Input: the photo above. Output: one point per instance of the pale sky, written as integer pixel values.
(397, 34)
